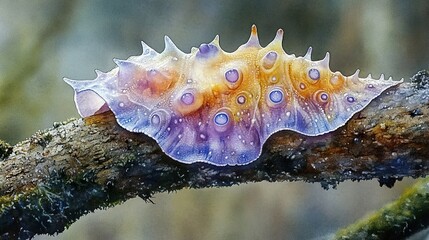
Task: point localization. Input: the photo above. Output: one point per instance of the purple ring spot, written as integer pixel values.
(314, 74)
(276, 96)
(155, 119)
(269, 60)
(350, 99)
(241, 99)
(272, 56)
(187, 98)
(221, 119)
(324, 96)
(232, 75)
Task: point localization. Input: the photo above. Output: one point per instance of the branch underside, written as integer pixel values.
(62, 173)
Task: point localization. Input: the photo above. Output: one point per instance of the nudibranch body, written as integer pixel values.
(217, 107)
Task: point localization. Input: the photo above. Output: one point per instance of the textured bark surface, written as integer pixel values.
(62, 173)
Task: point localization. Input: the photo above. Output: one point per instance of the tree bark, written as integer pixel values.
(62, 173)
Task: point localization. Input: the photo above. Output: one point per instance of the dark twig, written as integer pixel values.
(62, 173)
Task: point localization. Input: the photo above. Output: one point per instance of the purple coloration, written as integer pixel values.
(197, 111)
(232, 75)
(241, 99)
(276, 96)
(204, 48)
(207, 50)
(127, 72)
(314, 74)
(324, 96)
(155, 119)
(269, 60)
(221, 119)
(272, 56)
(350, 99)
(300, 122)
(187, 98)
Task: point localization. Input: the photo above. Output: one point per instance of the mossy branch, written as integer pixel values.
(59, 174)
(397, 220)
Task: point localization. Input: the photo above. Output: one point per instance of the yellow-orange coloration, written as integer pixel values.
(219, 107)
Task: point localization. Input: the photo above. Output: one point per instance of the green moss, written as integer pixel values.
(396, 220)
(5, 150)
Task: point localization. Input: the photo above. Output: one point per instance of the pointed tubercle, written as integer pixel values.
(123, 63)
(279, 35)
(325, 61)
(147, 50)
(355, 76)
(216, 41)
(278, 39)
(70, 82)
(79, 85)
(253, 39)
(171, 48)
(99, 73)
(307, 55)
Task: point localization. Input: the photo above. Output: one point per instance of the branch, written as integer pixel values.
(397, 220)
(62, 173)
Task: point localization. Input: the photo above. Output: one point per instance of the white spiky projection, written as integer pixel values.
(218, 107)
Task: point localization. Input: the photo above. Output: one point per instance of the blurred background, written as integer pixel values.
(45, 40)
